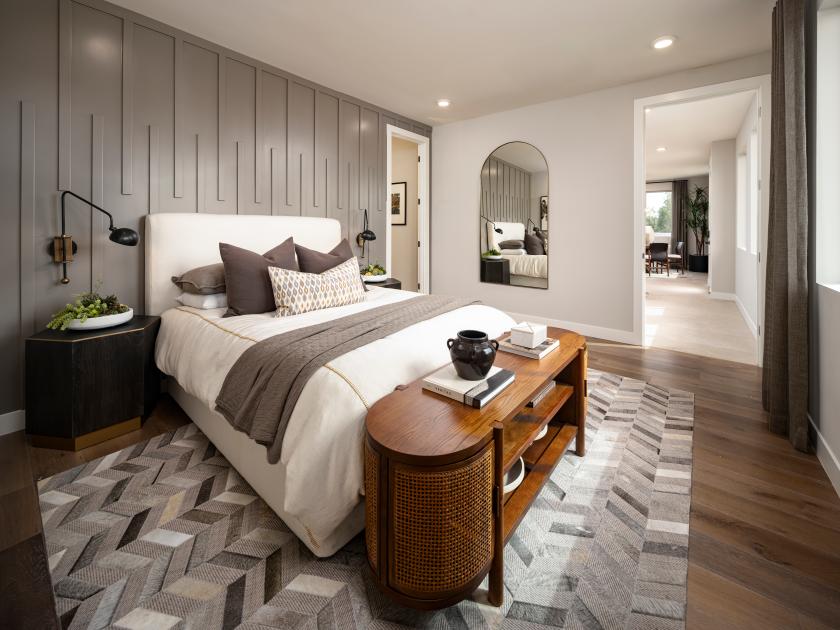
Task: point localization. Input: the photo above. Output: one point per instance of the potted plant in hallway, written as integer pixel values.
(697, 218)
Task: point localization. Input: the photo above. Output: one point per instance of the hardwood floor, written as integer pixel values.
(764, 542)
(764, 547)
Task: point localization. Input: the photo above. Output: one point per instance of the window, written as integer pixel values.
(741, 185)
(828, 147)
(658, 211)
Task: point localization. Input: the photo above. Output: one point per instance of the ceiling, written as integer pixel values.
(687, 131)
(483, 55)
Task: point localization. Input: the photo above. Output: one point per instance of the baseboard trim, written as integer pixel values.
(12, 421)
(750, 323)
(610, 334)
(720, 295)
(827, 458)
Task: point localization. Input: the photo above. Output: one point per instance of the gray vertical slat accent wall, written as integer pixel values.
(505, 194)
(98, 221)
(127, 161)
(26, 213)
(178, 127)
(147, 118)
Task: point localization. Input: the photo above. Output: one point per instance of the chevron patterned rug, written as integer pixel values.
(165, 534)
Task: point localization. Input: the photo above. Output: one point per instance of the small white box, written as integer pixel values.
(528, 334)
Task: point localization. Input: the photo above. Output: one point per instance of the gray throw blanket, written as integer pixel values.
(263, 386)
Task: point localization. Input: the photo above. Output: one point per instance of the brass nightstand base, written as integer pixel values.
(88, 439)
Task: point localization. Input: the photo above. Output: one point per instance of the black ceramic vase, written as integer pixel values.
(472, 354)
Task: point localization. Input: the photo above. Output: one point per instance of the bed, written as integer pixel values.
(522, 265)
(316, 487)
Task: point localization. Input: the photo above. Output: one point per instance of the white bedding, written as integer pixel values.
(321, 459)
(535, 266)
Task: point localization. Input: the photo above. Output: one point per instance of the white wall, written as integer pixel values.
(404, 237)
(722, 217)
(588, 141)
(824, 404)
(746, 261)
(828, 147)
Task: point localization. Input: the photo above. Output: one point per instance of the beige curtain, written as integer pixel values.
(679, 229)
(785, 378)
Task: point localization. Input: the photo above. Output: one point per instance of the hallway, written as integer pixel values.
(681, 316)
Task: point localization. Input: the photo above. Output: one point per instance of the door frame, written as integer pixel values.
(423, 189)
(759, 84)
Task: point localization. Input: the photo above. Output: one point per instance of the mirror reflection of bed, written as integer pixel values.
(514, 217)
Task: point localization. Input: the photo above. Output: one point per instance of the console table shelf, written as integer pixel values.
(543, 457)
(436, 516)
(519, 432)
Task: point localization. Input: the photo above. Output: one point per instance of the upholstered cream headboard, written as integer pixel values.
(510, 232)
(176, 243)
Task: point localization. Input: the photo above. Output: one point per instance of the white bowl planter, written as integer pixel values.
(104, 321)
(514, 476)
(492, 257)
(380, 278)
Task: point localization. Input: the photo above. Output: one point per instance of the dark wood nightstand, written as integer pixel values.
(83, 388)
(389, 283)
(496, 271)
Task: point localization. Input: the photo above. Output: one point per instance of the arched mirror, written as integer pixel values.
(514, 217)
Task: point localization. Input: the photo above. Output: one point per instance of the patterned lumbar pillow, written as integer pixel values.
(298, 292)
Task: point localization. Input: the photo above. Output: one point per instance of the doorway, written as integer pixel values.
(701, 291)
(407, 228)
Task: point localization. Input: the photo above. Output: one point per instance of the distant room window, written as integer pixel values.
(754, 193)
(742, 184)
(828, 146)
(658, 211)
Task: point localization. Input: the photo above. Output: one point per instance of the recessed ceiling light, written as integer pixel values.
(661, 149)
(443, 102)
(647, 110)
(663, 42)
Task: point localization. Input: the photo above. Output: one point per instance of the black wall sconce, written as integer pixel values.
(365, 236)
(495, 229)
(62, 247)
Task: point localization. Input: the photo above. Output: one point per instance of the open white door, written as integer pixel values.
(423, 246)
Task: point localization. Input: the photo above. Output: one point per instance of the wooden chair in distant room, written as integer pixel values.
(676, 260)
(659, 257)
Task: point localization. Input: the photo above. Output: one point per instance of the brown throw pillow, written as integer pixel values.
(514, 244)
(533, 245)
(313, 261)
(246, 276)
(206, 280)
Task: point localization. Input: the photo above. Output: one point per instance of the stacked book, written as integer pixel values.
(473, 393)
(537, 352)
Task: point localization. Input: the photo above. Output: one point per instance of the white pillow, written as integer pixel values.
(204, 302)
(298, 292)
(512, 252)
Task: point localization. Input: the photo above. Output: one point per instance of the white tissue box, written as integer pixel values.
(528, 334)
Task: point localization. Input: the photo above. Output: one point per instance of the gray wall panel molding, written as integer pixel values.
(98, 225)
(200, 183)
(65, 61)
(221, 136)
(259, 144)
(178, 126)
(127, 109)
(146, 118)
(27, 231)
(154, 169)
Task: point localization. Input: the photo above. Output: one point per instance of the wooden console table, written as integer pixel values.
(436, 517)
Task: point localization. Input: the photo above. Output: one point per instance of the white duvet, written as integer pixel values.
(321, 459)
(535, 266)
